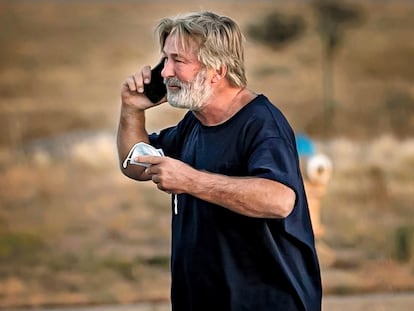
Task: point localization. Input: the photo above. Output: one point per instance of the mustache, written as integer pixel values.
(173, 82)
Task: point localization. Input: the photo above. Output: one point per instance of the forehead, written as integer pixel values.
(178, 46)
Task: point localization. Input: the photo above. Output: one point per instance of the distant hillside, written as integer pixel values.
(61, 67)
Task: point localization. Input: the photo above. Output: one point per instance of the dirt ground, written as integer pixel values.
(74, 231)
(377, 302)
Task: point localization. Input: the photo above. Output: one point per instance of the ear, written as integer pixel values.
(219, 74)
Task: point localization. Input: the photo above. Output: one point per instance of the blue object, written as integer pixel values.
(304, 145)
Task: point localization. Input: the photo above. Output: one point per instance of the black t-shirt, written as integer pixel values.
(222, 260)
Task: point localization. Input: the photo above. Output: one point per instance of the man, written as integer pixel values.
(241, 233)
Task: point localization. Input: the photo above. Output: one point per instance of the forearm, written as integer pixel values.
(250, 196)
(131, 129)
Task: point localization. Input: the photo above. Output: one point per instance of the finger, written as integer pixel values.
(139, 86)
(149, 159)
(155, 179)
(160, 187)
(130, 83)
(146, 74)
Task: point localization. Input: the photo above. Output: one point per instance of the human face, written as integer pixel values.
(186, 80)
(191, 95)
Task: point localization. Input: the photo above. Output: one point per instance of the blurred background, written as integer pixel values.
(74, 231)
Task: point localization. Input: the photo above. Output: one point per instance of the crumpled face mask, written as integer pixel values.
(141, 149)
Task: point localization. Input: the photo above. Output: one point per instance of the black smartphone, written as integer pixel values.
(156, 89)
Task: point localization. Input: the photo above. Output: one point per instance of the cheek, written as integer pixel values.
(186, 73)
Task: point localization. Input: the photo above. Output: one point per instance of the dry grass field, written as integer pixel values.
(73, 230)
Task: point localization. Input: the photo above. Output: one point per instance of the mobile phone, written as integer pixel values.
(156, 89)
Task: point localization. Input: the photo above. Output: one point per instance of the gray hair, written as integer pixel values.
(219, 41)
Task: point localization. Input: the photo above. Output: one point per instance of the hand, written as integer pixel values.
(132, 92)
(170, 175)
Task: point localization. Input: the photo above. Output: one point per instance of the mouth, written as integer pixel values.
(173, 88)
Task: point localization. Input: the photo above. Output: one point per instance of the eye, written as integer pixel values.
(180, 59)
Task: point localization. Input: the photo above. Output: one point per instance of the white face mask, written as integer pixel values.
(191, 95)
(141, 149)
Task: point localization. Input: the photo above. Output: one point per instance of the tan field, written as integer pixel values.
(74, 231)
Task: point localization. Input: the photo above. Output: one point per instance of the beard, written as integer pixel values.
(191, 95)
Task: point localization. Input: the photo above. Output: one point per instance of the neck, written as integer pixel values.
(224, 105)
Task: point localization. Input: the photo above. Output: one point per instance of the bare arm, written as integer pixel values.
(131, 130)
(131, 127)
(250, 196)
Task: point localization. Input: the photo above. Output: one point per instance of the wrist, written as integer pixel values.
(131, 110)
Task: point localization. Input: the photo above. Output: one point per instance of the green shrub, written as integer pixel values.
(404, 243)
(19, 246)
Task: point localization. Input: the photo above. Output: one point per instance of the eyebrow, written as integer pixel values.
(171, 54)
(175, 55)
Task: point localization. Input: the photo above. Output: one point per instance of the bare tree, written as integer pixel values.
(333, 17)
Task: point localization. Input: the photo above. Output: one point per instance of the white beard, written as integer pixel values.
(191, 95)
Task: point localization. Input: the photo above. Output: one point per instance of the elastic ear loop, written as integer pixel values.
(125, 164)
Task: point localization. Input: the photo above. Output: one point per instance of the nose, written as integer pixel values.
(168, 70)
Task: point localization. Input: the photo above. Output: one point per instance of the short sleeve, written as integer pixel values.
(275, 159)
